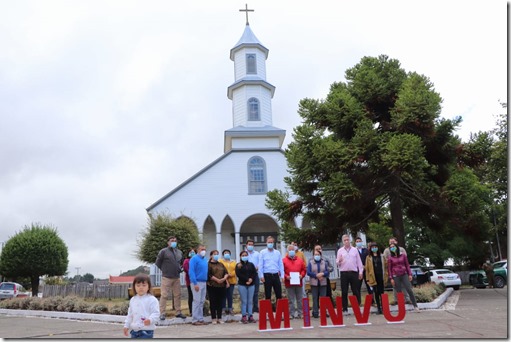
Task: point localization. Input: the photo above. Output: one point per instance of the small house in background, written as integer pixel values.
(117, 280)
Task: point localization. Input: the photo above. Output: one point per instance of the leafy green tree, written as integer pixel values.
(376, 144)
(88, 278)
(372, 144)
(33, 252)
(157, 232)
(138, 270)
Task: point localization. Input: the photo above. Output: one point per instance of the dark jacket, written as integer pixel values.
(218, 270)
(169, 261)
(244, 271)
(364, 252)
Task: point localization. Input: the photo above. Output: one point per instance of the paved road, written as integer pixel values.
(467, 313)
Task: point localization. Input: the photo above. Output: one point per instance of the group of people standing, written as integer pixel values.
(217, 276)
(357, 264)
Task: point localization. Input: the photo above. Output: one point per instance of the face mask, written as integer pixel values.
(374, 249)
(269, 245)
(250, 248)
(393, 249)
(359, 244)
(292, 253)
(317, 257)
(191, 254)
(227, 256)
(244, 258)
(173, 244)
(202, 253)
(215, 257)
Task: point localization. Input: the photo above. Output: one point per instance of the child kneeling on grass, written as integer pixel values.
(143, 311)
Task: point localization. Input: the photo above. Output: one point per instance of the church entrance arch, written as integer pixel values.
(257, 227)
(209, 234)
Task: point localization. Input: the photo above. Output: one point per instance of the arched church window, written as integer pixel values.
(253, 109)
(256, 176)
(251, 63)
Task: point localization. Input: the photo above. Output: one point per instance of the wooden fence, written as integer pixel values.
(87, 290)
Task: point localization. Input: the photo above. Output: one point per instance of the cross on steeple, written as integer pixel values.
(246, 10)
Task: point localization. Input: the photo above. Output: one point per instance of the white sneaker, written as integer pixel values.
(417, 309)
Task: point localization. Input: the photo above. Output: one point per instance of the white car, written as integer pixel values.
(12, 290)
(449, 278)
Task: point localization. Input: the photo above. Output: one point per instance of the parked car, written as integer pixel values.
(478, 278)
(419, 276)
(448, 277)
(12, 290)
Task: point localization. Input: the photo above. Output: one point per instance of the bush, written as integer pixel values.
(428, 292)
(36, 304)
(98, 308)
(120, 309)
(68, 304)
(51, 303)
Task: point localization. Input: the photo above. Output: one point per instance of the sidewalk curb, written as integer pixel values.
(439, 301)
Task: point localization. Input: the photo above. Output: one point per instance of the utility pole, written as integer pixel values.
(77, 273)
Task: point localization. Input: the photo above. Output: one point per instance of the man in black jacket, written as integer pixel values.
(364, 252)
(169, 261)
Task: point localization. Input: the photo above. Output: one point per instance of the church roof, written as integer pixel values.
(205, 169)
(248, 39)
(252, 80)
(265, 130)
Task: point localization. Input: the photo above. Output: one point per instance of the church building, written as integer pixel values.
(253, 163)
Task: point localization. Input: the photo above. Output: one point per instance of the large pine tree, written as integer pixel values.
(376, 144)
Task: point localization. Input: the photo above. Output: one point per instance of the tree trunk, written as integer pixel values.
(34, 281)
(396, 213)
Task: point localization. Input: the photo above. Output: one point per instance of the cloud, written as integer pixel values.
(106, 106)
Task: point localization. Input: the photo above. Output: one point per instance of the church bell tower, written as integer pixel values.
(251, 97)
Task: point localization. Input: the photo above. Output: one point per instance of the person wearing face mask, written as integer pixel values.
(364, 252)
(330, 270)
(253, 257)
(351, 269)
(318, 273)
(294, 265)
(301, 255)
(400, 273)
(230, 266)
(386, 254)
(198, 271)
(186, 269)
(247, 274)
(376, 273)
(170, 261)
(216, 286)
(271, 269)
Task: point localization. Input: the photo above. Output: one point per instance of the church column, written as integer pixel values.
(237, 244)
(219, 242)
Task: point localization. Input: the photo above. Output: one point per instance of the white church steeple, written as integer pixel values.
(251, 97)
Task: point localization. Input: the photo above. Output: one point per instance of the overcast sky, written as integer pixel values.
(106, 106)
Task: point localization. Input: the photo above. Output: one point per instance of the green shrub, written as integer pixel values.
(120, 309)
(36, 304)
(51, 303)
(81, 306)
(428, 292)
(97, 308)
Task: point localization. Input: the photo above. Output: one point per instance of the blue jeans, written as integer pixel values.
(142, 334)
(246, 297)
(228, 297)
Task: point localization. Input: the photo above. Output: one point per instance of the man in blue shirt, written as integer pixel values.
(271, 269)
(198, 273)
(253, 257)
